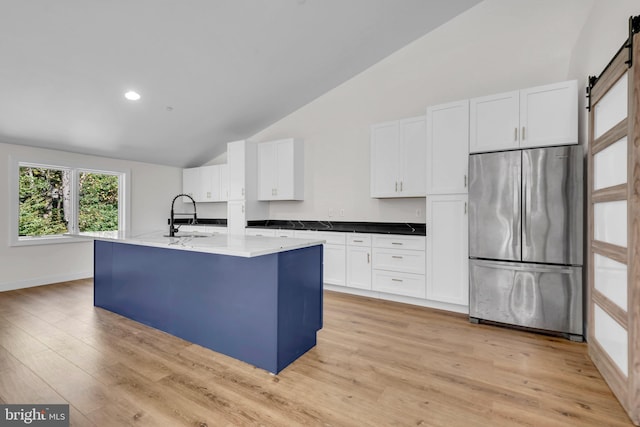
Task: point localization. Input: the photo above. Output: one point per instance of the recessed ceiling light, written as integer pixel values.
(132, 96)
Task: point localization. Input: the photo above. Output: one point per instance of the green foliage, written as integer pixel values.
(98, 205)
(41, 202)
(45, 201)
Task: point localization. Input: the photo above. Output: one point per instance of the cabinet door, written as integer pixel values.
(549, 115)
(224, 182)
(210, 183)
(236, 217)
(191, 184)
(236, 169)
(494, 122)
(359, 267)
(267, 170)
(447, 249)
(334, 264)
(447, 148)
(413, 144)
(284, 170)
(385, 160)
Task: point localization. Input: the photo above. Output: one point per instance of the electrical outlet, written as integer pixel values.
(330, 213)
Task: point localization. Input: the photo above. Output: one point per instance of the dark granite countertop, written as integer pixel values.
(220, 222)
(403, 228)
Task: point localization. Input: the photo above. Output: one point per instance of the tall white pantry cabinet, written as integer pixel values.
(447, 266)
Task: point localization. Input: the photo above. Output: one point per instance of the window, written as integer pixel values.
(53, 200)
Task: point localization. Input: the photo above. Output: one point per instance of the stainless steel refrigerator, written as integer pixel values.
(525, 238)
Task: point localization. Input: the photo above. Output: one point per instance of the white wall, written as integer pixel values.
(152, 188)
(605, 30)
(498, 45)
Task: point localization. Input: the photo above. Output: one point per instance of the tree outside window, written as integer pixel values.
(47, 200)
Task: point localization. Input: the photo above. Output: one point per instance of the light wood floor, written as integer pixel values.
(376, 364)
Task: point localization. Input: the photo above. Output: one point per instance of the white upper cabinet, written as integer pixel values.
(191, 184)
(205, 184)
(494, 122)
(281, 170)
(385, 159)
(212, 181)
(447, 148)
(398, 158)
(533, 117)
(549, 115)
(412, 157)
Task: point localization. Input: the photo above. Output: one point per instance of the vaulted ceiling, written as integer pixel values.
(208, 71)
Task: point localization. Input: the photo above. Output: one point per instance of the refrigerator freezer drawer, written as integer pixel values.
(534, 296)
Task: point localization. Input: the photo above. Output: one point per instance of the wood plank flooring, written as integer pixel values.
(377, 363)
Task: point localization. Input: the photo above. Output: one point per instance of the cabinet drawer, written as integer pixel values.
(399, 260)
(411, 285)
(284, 233)
(359, 240)
(260, 232)
(395, 241)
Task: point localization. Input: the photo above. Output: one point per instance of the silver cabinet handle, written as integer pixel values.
(357, 241)
(368, 258)
(515, 134)
(396, 243)
(396, 257)
(396, 185)
(465, 180)
(465, 208)
(396, 280)
(400, 185)
(522, 133)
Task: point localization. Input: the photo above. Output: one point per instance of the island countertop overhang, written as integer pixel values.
(221, 244)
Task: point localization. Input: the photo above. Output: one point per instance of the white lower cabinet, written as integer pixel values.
(359, 261)
(447, 249)
(399, 265)
(334, 264)
(398, 283)
(334, 259)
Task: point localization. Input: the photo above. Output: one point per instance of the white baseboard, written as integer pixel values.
(47, 280)
(399, 298)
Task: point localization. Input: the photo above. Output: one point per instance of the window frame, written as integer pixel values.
(75, 168)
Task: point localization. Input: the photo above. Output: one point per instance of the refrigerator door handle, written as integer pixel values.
(517, 243)
(519, 267)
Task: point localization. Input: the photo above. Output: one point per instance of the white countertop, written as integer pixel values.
(222, 244)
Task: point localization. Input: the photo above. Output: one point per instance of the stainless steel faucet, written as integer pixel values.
(172, 229)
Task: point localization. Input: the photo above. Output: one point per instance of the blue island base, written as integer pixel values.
(263, 310)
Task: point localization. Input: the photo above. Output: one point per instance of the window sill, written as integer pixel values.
(48, 240)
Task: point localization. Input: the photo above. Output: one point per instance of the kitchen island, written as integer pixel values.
(256, 299)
